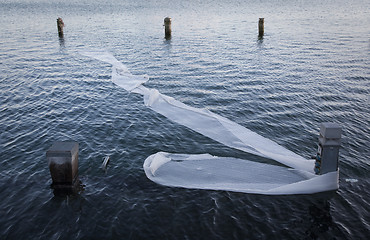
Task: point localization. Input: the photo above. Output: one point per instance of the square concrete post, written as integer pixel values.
(327, 156)
(62, 159)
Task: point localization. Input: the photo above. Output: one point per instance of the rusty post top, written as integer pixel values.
(60, 21)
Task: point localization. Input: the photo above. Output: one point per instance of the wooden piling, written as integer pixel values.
(60, 25)
(167, 28)
(261, 27)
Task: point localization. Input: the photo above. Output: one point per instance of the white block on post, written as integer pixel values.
(62, 159)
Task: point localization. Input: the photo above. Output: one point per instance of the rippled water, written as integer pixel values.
(311, 66)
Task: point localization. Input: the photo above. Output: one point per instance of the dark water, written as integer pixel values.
(311, 66)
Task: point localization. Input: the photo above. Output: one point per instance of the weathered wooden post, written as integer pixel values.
(60, 25)
(167, 28)
(261, 27)
(62, 159)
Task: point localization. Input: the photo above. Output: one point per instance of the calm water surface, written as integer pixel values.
(311, 66)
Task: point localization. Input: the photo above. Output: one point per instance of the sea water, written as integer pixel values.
(311, 66)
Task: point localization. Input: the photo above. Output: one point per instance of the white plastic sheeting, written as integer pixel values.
(223, 130)
(127, 80)
(204, 171)
(208, 172)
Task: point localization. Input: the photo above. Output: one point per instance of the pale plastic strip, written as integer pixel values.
(223, 130)
(104, 56)
(204, 171)
(202, 121)
(208, 172)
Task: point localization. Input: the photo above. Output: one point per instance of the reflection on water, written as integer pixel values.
(260, 40)
(66, 190)
(321, 220)
(61, 43)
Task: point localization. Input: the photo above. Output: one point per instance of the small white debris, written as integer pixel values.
(105, 162)
(352, 180)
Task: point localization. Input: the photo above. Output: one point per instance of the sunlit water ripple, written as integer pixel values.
(311, 66)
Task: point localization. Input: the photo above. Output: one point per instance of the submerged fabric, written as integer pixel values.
(207, 172)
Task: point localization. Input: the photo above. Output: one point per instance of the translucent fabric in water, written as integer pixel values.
(208, 172)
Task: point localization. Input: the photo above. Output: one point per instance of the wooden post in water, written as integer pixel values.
(167, 28)
(60, 25)
(261, 27)
(62, 159)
